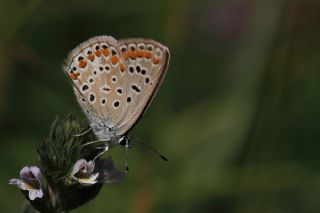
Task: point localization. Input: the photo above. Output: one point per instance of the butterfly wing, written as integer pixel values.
(115, 81)
(96, 70)
(146, 63)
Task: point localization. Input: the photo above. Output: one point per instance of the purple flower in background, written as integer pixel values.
(83, 172)
(29, 181)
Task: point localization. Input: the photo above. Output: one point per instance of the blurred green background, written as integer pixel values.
(238, 114)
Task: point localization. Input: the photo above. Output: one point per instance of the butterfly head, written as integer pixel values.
(125, 142)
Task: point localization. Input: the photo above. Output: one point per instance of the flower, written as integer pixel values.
(83, 172)
(29, 181)
(89, 172)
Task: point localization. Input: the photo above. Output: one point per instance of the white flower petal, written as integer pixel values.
(22, 185)
(15, 181)
(90, 180)
(35, 193)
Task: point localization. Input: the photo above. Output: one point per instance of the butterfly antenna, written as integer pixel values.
(152, 149)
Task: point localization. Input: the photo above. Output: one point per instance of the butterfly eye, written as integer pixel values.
(123, 141)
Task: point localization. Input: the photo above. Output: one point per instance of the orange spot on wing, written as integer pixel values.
(126, 55)
(73, 76)
(155, 60)
(122, 67)
(91, 57)
(98, 53)
(148, 55)
(140, 53)
(106, 52)
(114, 59)
(77, 73)
(132, 54)
(82, 63)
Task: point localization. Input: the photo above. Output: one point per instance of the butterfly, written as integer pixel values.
(115, 82)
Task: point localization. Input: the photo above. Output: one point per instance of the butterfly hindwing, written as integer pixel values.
(146, 62)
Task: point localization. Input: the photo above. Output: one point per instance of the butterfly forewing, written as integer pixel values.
(115, 81)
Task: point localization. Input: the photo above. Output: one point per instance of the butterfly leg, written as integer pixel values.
(93, 142)
(83, 133)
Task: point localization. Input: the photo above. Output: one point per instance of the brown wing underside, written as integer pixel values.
(114, 81)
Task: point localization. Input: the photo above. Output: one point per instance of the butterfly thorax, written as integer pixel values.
(103, 132)
(109, 135)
